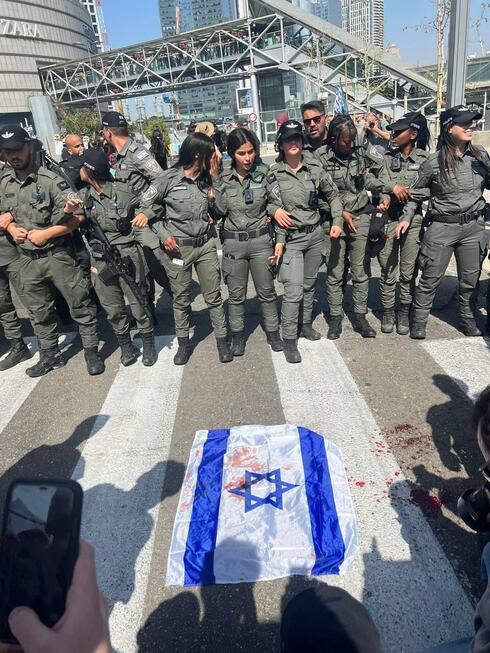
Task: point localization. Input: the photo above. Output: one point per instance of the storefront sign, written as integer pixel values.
(19, 28)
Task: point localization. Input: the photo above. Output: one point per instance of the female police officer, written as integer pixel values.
(241, 197)
(453, 179)
(298, 188)
(188, 239)
(409, 142)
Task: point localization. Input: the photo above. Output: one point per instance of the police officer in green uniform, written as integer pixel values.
(353, 170)
(138, 168)
(241, 197)
(453, 179)
(408, 151)
(41, 210)
(114, 206)
(188, 238)
(298, 188)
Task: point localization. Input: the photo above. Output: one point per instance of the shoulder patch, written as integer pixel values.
(152, 166)
(271, 177)
(142, 154)
(149, 194)
(374, 153)
(63, 185)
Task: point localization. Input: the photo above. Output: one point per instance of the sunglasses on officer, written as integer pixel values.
(316, 120)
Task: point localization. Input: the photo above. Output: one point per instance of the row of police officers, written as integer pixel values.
(337, 203)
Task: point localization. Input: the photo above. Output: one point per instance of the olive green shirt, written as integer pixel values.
(400, 169)
(293, 191)
(242, 203)
(363, 165)
(137, 167)
(36, 202)
(8, 250)
(113, 208)
(464, 192)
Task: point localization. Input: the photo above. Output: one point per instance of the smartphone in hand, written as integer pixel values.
(38, 548)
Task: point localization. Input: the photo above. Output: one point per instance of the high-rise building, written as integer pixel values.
(94, 8)
(178, 16)
(364, 19)
(329, 10)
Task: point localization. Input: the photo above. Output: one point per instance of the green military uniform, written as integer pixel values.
(9, 268)
(353, 176)
(402, 252)
(186, 219)
(111, 208)
(37, 203)
(138, 168)
(456, 226)
(247, 244)
(301, 195)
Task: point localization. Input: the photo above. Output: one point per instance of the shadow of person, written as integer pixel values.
(119, 523)
(450, 422)
(52, 460)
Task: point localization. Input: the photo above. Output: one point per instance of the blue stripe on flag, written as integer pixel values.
(203, 528)
(325, 529)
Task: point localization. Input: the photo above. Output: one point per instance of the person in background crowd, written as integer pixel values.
(453, 179)
(402, 162)
(282, 117)
(72, 162)
(374, 135)
(158, 149)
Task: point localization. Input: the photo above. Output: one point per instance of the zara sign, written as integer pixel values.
(19, 28)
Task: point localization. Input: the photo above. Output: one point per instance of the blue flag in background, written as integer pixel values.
(340, 104)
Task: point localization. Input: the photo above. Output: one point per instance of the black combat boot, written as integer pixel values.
(362, 326)
(308, 332)
(129, 352)
(49, 359)
(95, 364)
(417, 330)
(335, 327)
(468, 326)
(403, 322)
(19, 352)
(183, 352)
(224, 350)
(238, 343)
(274, 340)
(388, 321)
(291, 351)
(149, 351)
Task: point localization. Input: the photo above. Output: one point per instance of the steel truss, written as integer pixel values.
(276, 37)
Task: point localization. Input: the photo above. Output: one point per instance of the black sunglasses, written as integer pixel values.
(316, 119)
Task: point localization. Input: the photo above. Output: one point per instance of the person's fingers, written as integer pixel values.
(28, 630)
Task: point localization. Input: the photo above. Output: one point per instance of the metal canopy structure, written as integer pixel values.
(276, 36)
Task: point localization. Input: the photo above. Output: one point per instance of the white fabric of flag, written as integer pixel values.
(262, 502)
(340, 104)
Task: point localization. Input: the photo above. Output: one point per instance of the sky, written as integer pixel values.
(131, 22)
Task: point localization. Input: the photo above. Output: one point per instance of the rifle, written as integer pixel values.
(102, 250)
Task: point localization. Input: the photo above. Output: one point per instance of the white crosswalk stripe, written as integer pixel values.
(401, 566)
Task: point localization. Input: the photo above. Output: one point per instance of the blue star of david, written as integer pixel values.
(274, 498)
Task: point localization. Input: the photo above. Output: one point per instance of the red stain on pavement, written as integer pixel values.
(360, 483)
(424, 499)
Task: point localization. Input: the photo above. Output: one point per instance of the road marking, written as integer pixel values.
(401, 574)
(122, 470)
(17, 386)
(463, 359)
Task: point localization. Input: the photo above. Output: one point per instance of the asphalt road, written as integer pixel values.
(399, 409)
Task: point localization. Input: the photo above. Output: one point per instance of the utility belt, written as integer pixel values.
(44, 253)
(244, 235)
(305, 229)
(462, 218)
(196, 242)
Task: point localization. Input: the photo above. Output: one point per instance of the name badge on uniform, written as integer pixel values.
(179, 188)
(142, 154)
(413, 166)
(255, 185)
(178, 261)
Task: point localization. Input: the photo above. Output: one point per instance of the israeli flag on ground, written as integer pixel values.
(262, 502)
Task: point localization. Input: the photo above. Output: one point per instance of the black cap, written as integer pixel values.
(288, 129)
(114, 119)
(377, 236)
(13, 137)
(411, 120)
(458, 115)
(97, 162)
(325, 618)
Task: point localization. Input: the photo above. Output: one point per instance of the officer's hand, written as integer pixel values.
(19, 234)
(37, 237)
(278, 252)
(335, 232)
(73, 204)
(401, 228)
(283, 219)
(140, 220)
(5, 220)
(83, 628)
(384, 205)
(349, 219)
(170, 245)
(402, 193)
